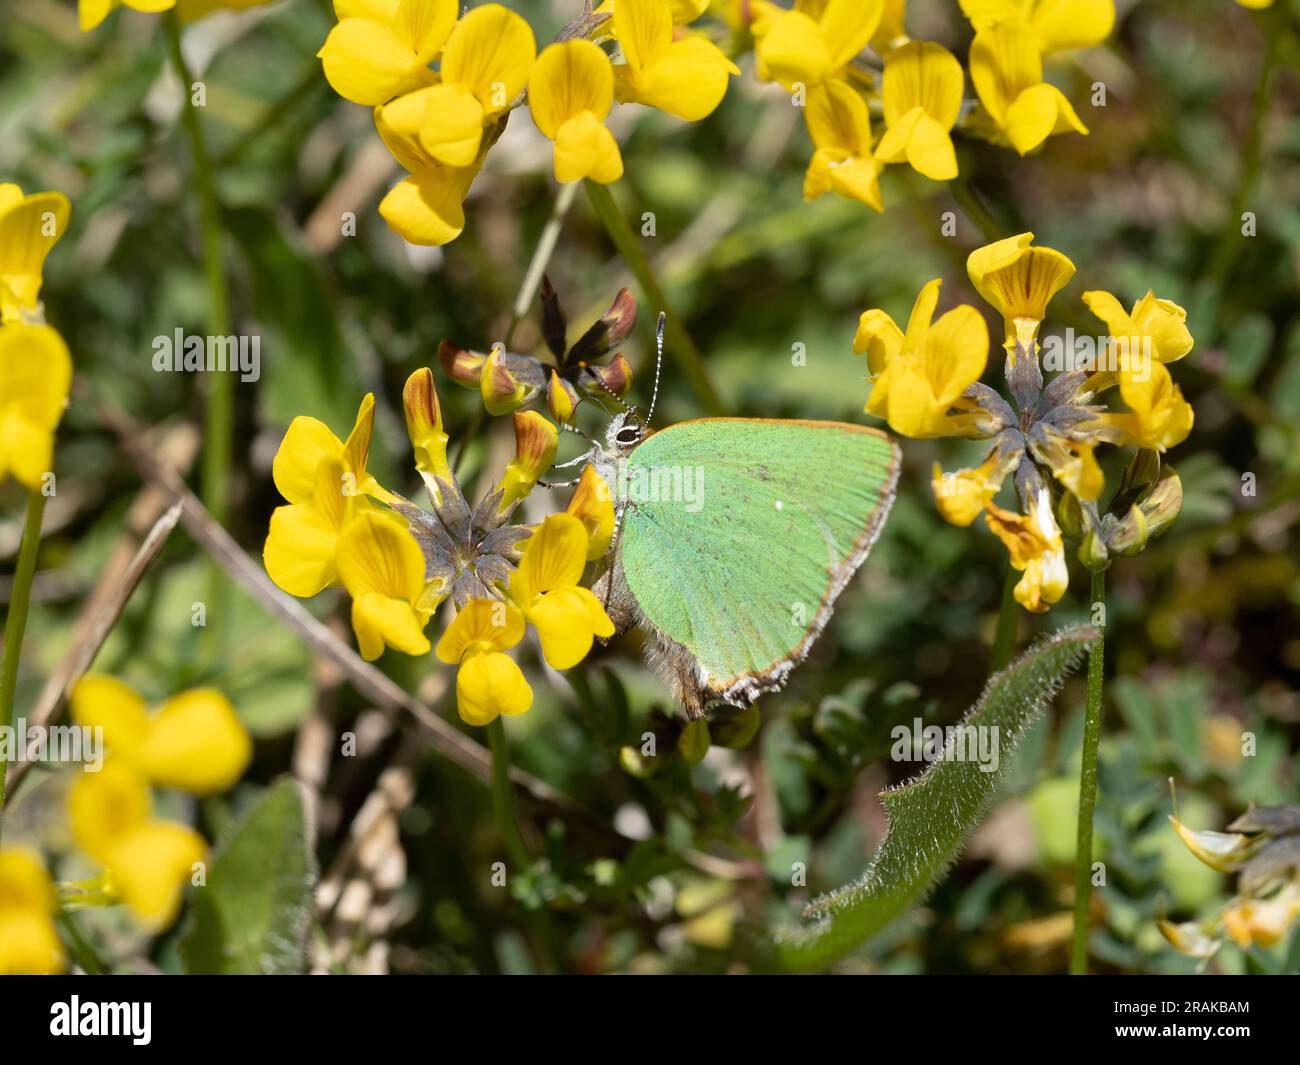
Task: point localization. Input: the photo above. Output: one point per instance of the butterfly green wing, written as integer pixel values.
(741, 533)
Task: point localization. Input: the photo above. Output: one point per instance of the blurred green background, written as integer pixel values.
(1203, 634)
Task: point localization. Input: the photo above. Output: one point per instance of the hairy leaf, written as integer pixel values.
(253, 914)
(931, 817)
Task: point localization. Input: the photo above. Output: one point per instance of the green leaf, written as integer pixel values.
(253, 914)
(932, 816)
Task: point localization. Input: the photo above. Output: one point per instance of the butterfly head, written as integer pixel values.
(624, 433)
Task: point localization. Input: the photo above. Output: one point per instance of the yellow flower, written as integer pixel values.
(936, 363)
(809, 44)
(1007, 71)
(485, 67)
(194, 742)
(570, 93)
(147, 861)
(426, 208)
(35, 375)
(878, 337)
(90, 13)
(592, 504)
(1158, 417)
(424, 427)
(29, 945)
(326, 483)
(488, 682)
(1057, 24)
(1034, 543)
(921, 92)
(1262, 922)
(545, 587)
(1018, 281)
(1156, 330)
(29, 227)
(686, 77)
(381, 48)
(535, 442)
(962, 494)
(382, 568)
(840, 128)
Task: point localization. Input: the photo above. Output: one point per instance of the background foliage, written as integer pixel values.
(1203, 633)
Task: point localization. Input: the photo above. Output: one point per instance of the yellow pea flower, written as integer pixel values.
(569, 94)
(426, 208)
(1262, 922)
(1158, 417)
(1018, 281)
(686, 77)
(488, 682)
(807, 45)
(382, 568)
(1057, 25)
(840, 128)
(309, 440)
(878, 337)
(536, 441)
(146, 861)
(1155, 329)
(194, 742)
(684, 11)
(592, 504)
(29, 944)
(35, 375)
(90, 13)
(936, 363)
(381, 48)
(545, 587)
(485, 66)
(1006, 68)
(29, 227)
(960, 495)
(424, 427)
(301, 549)
(921, 91)
(1034, 543)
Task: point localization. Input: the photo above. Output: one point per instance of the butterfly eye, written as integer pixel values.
(629, 434)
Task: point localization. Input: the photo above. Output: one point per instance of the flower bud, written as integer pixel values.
(1129, 535)
(508, 381)
(561, 399)
(1163, 504)
(613, 326)
(535, 443)
(460, 364)
(1092, 552)
(554, 322)
(424, 427)
(616, 377)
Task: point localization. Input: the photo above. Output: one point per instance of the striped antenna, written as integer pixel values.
(659, 361)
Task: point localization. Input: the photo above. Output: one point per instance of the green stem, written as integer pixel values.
(681, 346)
(503, 797)
(1004, 640)
(81, 949)
(16, 623)
(218, 420)
(975, 209)
(1088, 783)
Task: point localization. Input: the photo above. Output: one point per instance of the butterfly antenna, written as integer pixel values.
(659, 362)
(605, 388)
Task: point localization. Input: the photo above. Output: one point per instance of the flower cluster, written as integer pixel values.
(1263, 848)
(926, 383)
(818, 52)
(508, 381)
(440, 123)
(195, 743)
(399, 562)
(35, 366)
(90, 13)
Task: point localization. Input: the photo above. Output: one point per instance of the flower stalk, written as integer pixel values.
(1088, 783)
(503, 796)
(220, 395)
(16, 624)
